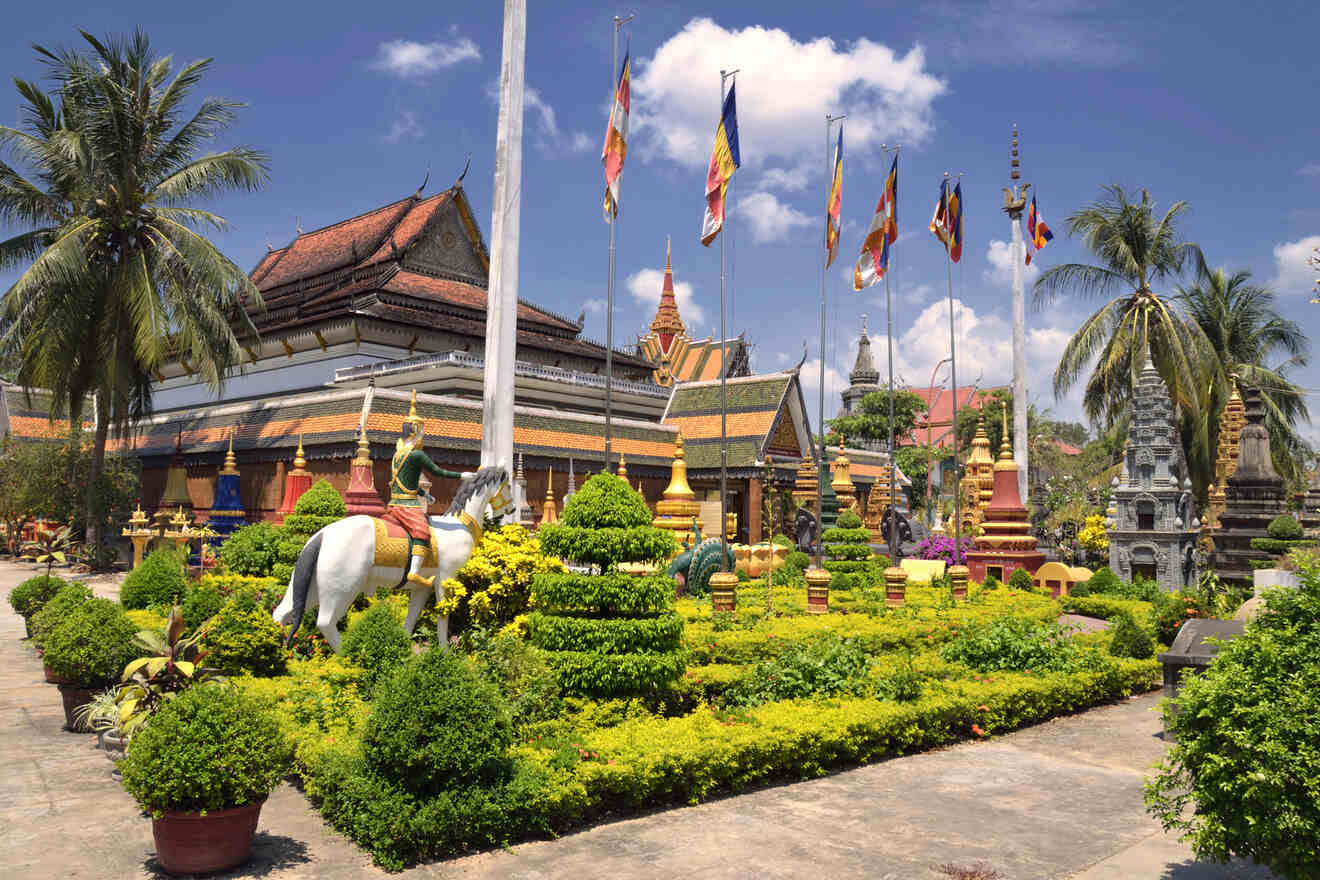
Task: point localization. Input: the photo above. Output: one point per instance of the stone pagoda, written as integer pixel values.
(678, 508)
(1254, 495)
(296, 482)
(1154, 525)
(362, 496)
(227, 507)
(1005, 543)
(978, 482)
(1231, 421)
(863, 380)
(549, 513)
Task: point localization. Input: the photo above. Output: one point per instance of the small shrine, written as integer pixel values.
(525, 516)
(1254, 495)
(842, 483)
(1309, 501)
(227, 506)
(298, 480)
(1005, 543)
(806, 484)
(139, 533)
(977, 484)
(362, 496)
(1231, 421)
(1154, 526)
(678, 508)
(175, 497)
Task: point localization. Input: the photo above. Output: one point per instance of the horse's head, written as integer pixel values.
(488, 486)
(501, 501)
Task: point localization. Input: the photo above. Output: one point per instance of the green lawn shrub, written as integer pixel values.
(494, 585)
(437, 725)
(1172, 610)
(797, 560)
(1017, 643)
(315, 509)
(209, 748)
(204, 602)
(376, 641)
(158, 580)
(55, 611)
(242, 637)
(1129, 639)
(825, 666)
(1243, 777)
(527, 682)
(251, 549)
(1106, 607)
(93, 644)
(31, 596)
(1285, 528)
(1020, 579)
(1103, 581)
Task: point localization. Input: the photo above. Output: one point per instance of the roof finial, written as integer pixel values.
(425, 181)
(299, 462)
(668, 263)
(863, 323)
(468, 165)
(1014, 164)
(297, 223)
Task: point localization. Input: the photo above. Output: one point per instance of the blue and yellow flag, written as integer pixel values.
(874, 261)
(946, 224)
(834, 206)
(724, 160)
(1038, 234)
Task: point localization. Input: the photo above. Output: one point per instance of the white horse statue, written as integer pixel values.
(353, 555)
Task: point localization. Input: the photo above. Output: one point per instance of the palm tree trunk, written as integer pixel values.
(94, 511)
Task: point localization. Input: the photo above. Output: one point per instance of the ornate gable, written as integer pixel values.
(446, 248)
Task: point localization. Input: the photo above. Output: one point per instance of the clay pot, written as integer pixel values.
(190, 843)
(51, 677)
(74, 699)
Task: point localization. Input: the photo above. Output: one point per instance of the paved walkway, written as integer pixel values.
(1058, 800)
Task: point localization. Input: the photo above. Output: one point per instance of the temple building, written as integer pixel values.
(1154, 525)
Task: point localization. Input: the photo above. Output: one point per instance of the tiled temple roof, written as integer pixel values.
(25, 415)
(754, 407)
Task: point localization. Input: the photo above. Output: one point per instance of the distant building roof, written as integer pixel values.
(935, 428)
(766, 415)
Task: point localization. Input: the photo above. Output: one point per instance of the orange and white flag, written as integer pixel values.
(616, 140)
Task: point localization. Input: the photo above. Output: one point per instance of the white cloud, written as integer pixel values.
(409, 58)
(1310, 169)
(770, 219)
(405, 126)
(1000, 257)
(594, 306)
(544, 123)
(784, 86)
(835, 381)
(1293, 274)
(787, 179)
(645, 286)
(580, 142)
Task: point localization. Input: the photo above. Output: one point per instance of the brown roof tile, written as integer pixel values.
(342, 244)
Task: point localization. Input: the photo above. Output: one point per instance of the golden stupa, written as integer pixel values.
(678, 509)
(549, 512)
(842, 483)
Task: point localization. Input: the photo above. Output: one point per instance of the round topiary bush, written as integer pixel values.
(436, 725)
(1020, 579)
(204, 602)
(93, 645)
(377, 642)
(30, 596)
(1103, 581)
(244, 638)
(158, 580)
(1131, 640)
(1285, 528)
(209, 748)
(797, 560)
(57, 610)
(849, 519)
(251, 549)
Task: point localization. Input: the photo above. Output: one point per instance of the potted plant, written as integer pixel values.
(51, 615)
(32, 595)
(172, 665)
(89, 651)
(102, 716)
(202, 768)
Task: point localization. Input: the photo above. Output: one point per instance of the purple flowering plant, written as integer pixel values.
(941, 547)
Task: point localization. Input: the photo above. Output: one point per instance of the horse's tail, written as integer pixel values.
(302, 582)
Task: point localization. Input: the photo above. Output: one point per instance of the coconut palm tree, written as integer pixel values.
(1246, 331)
(117, 276)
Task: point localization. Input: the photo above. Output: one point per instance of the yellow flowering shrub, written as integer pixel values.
(1094, 536)
(494, 586)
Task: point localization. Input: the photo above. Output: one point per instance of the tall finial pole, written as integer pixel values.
(1015, 200)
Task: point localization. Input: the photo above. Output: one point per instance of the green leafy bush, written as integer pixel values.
(991, 583)
(849, 520)
(93, 644)
(1172, 610)
(599, 675)
(251, 550)
(494, 585)
(1285, 528)
(209, 748)
(840, 535)
(1242, 777)
(798, 561)
(1103, 581)
(1018, 643)
(30, 596)
(528, 683)
(321, 499)
(1130, 640)
(782, 541)
(158, 580)
(57, 610)
(437, 725)
(603, 593)
(1020, 579)
(244, 638)
(605, 502)
(204, 602)
(656, 633)
(377, 642)
(825, 666)
(606, 546)
(840, 552)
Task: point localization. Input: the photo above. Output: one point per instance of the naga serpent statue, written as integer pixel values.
(699, 560)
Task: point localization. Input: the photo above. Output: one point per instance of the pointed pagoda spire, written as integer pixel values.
(667, 324)
(549, 512)
(231, 463)
(864, 371)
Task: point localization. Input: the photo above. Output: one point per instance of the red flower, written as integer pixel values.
(976, 729)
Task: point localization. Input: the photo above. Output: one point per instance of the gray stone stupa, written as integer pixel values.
(864, 378)
(1153, 533)
(1255, 495)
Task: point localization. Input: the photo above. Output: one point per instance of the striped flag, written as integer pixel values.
(724, 160)
(616, 140)
(874, 261)
(834, 206)
(1038, 234)
(946, 223)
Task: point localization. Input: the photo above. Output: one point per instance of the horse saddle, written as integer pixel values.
(392, 546)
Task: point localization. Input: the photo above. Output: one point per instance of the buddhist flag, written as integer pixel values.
(947, 221)
(1038, 234)
(874, 261)
(616, 140)
(724, 160)
(834, 206)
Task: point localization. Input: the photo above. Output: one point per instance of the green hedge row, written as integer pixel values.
(847, 536)
(1277, 545)
(845, 565)
(654, 761)
(1106, 607)
(591, 674)
(848, 551)
(605, 546)
(623, 635)
(610, 592)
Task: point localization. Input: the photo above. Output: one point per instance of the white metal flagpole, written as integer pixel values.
(609, 290)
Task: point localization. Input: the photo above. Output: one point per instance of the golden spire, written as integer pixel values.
(1006, 461)
(363, 447)
(299, 462)
(623, 468)
(678, 488)
(549, 514)
(412, 418)
(231, 463)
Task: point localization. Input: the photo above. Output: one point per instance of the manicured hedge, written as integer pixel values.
(1106, 607)
(554, 632)
(848, 551)
(847, 566)
(847, 536)
(606, 546)
(620, 593)
(608, 675)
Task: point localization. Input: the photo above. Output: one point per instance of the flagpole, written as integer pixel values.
(724, 370)
(891, 513)
(953, 380)
(824, 275)
(609, 289)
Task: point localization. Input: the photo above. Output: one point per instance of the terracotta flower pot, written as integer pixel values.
(190, 843)
(75, 698)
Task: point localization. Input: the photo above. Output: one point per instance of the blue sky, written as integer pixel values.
(1203, 102)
